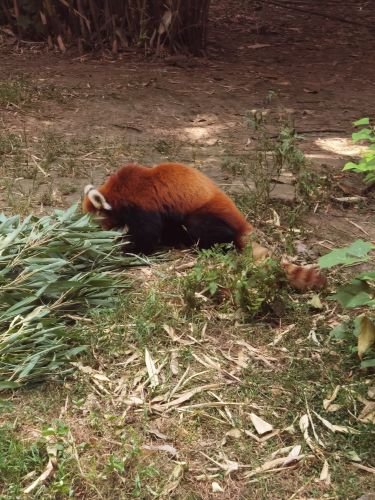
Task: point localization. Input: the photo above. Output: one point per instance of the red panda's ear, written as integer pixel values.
(96, 198)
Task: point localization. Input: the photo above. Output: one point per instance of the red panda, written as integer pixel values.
(172, 204)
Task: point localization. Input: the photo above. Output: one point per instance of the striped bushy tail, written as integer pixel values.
(300, 277)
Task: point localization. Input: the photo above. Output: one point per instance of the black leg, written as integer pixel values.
(205, 229)
(144, 229)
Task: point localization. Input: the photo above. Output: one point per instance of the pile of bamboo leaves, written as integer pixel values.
(52, 269)
(178, 25)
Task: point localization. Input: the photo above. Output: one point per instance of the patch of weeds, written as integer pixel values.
(14, 92)
(17, 459)
(366, 165)
(273, 154)
(20, 458)
(22, 92)
(9, 142)
(147, 315)
(129, 465)
(169, 148)
(233, 281)
(356, 295)
(67, 189)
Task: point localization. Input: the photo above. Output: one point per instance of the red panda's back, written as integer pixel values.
(171, 185)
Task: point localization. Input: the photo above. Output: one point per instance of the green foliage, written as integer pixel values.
(358, 293)
(50, 268)
(366, 165)
(260, 168)
(16, 460)
(356, 253)
(233, 281)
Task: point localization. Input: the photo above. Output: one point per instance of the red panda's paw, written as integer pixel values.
(304, 277)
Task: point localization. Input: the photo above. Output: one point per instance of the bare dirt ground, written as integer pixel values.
(105, 112)
(322, 71)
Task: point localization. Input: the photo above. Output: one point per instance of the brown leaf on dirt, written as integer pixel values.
(366, 337)
(151, 369)
(41, 479)
(168, 448)
(327, 402)
(173, 480)
(368, 413)
(261, 426)
(325, 475)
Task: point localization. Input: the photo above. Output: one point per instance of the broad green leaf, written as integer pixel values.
(353, 254)
(362, 135)
(368, 363)
(352, 166)
(340, 332)
(6, 385)
(354, 294)
(367, 276)
(362, 121)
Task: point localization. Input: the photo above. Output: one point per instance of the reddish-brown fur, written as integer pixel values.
(186, 190)
(181, 188)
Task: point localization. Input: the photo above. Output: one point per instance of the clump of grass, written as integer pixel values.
(22, 92)
(14, 92)
(233, 281)
(16, 460)
(51, 268)
(274, 153)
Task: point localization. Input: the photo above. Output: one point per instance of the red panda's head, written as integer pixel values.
(94, 201)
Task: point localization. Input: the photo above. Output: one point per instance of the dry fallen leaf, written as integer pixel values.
(366, 337)
(327, 403)
(216, 488)
(293, 454)
(304, 425)
(363, 467)
(134, 401)
(152, 373)
(275, 464)
(42, 478)
(161, 447)
(185, 396)
(90, 371)
(173, 480)
(325, 475)
(174, 363)
(234, 433)
(368, 413)
(175, 337)
(336, 428)
(261, 426)
(315, 302)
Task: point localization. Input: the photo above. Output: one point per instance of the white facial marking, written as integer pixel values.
(97, 199)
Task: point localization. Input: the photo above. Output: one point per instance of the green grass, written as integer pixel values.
(22, 92)
(102, 414)
(108, 435)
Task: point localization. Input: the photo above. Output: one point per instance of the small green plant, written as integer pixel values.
(18, 458)
(366, 165)
(233, 281)
(260, 168)
(358, 294)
